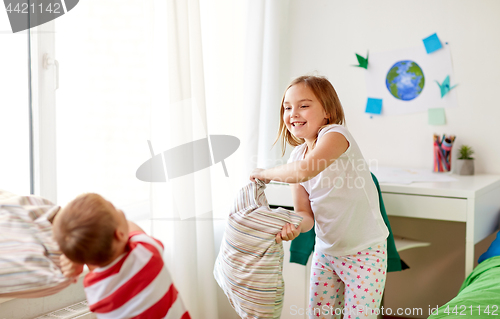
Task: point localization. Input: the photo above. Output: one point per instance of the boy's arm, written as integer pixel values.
(70, 269)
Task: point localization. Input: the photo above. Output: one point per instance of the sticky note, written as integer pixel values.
(432, 43)
(374, 106)
(436, 116)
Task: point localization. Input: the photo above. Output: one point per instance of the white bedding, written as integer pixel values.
(29, 256)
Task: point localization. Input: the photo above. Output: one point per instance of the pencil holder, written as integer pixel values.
(442, 153)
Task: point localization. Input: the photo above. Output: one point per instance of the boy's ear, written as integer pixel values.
(120, 235)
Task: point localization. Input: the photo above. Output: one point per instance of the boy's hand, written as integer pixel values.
(288, 232)
(70, 269)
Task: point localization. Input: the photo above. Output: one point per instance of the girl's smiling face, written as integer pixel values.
(303, 114)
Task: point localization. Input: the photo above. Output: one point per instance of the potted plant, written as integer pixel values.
(465, 162)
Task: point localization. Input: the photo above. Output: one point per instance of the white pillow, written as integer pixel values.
(29, 256)
(250, 263)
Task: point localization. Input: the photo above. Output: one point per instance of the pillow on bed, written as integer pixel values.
(29, 256)
(493, 250)
(250, 262)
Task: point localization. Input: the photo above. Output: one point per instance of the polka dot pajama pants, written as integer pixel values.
(348, 287)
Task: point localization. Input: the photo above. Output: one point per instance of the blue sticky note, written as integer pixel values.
(432, 43)
(374, 106)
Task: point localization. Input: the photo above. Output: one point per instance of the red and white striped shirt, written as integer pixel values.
(136, 285)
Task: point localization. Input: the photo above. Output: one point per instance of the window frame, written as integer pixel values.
(43, 106)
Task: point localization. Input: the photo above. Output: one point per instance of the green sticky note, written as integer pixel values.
(436, 116)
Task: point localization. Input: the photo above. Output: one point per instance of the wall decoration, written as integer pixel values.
(432, 43)
(373, 106)
(401, 78)
(405, 80)
(362, 62)
(445, 86)
(436, 116)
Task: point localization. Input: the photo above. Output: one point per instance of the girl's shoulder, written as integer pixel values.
(334, 128)
(338, 129)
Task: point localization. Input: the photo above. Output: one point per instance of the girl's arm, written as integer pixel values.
(302, 207)
(328, 149)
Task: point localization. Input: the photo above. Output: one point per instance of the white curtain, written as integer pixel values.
(182, 207)
(263, 74)
(171, 72)
(222, 76)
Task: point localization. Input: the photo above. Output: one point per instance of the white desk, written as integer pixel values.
(473, 200)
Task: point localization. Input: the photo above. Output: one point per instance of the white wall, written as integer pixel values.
(324, 36)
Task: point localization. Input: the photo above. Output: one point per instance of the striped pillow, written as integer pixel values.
(250, 263)
(29, 256)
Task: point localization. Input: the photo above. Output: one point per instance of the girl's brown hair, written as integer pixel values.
(325, 93)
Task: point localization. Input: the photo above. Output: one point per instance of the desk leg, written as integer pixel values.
(469, 238)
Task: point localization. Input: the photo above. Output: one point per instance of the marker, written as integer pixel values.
(187, 158)
(436, 160)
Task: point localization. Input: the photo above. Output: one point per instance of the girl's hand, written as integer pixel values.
(70, 269)
(288, 232)
(257, 174)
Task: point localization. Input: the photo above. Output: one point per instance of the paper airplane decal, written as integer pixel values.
(187, 158)
(363, 63)
(445, 86)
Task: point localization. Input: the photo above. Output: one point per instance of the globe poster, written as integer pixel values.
(405, 80)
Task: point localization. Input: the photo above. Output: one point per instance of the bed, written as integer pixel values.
(479, 295)
(29, 256)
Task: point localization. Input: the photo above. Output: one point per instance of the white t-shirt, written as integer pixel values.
(344, 200)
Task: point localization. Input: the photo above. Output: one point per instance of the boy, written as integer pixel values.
(127, 277)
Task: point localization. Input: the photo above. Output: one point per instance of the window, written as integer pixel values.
(14, 110)
(103, 102)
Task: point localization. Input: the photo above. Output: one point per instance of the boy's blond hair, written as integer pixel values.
(85, 228)
(327, 96)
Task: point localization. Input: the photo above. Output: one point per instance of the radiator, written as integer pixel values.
(79, 310)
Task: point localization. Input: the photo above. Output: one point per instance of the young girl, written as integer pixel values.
(332, 190)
